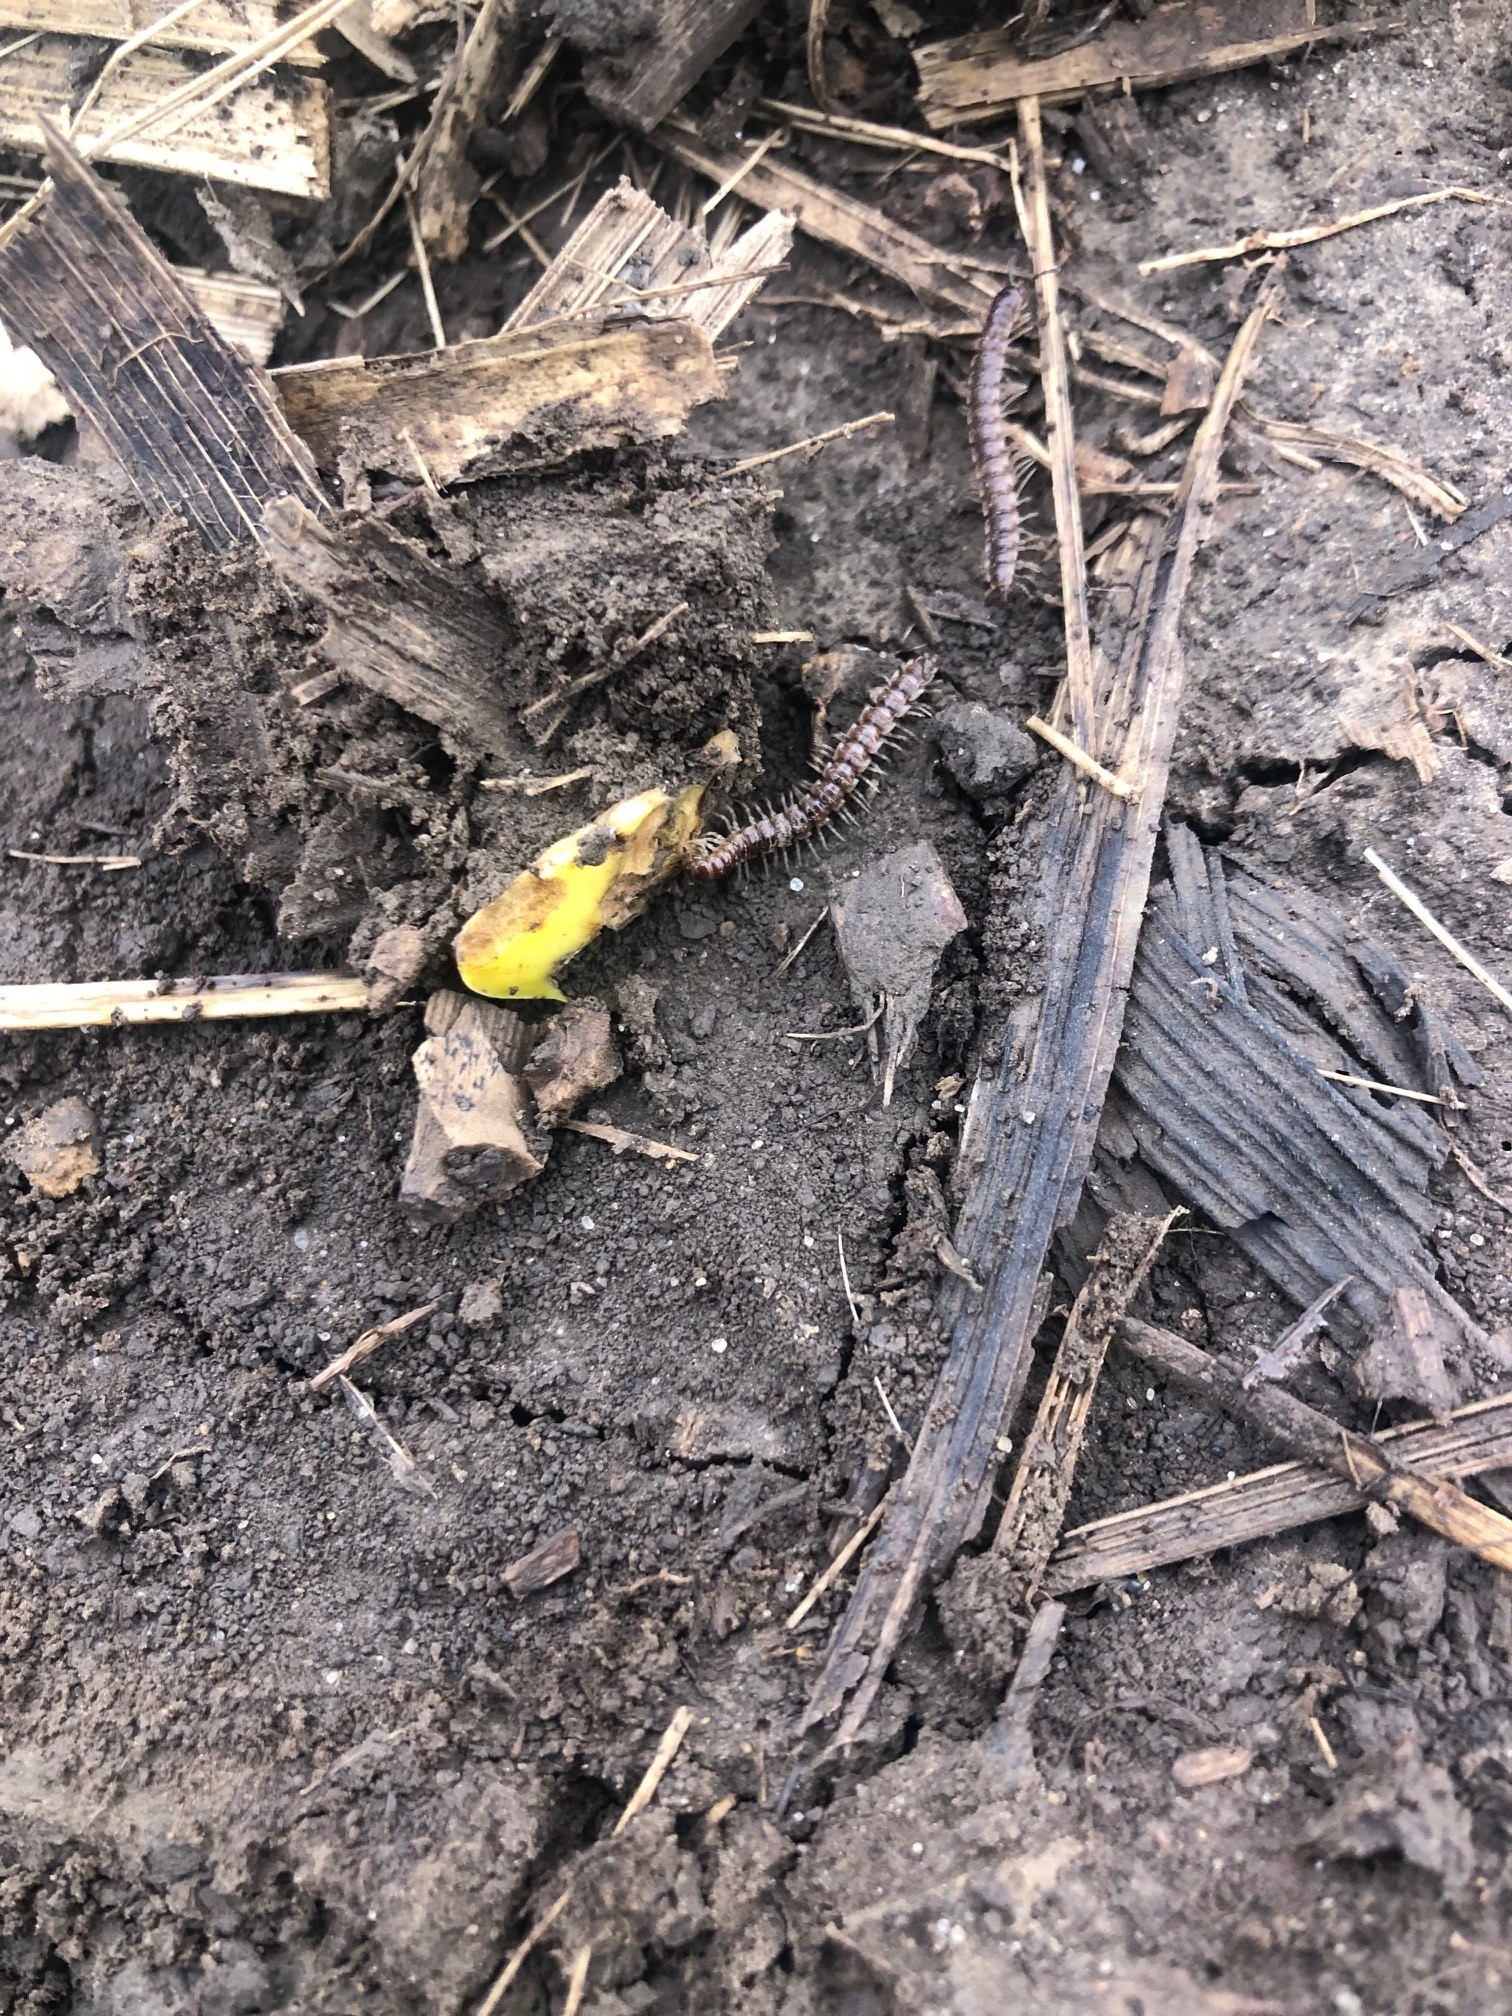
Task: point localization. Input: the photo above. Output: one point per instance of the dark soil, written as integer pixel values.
(276, 1736)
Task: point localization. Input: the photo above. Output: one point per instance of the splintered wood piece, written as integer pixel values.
(273, 134)
(1382, 460)
(984, 1604)
(397, 623)
(839, 220)
(446, 183)
(544, 1564)
(470, 1145)
(1266, 1502)
(219, 26)
(1008, 1741)
(1405, 1360)
(639, 87)
(95, 1004)
(195, 427)
(1033, 1142)
(972, 78)
(1376, 1470)
(1041, 1487)
(1188, 381)
(628, 252)
(471, 408)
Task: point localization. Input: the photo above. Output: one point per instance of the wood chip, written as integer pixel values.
(470, 1144)
(545, 1564)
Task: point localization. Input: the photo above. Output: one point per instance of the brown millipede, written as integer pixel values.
(815, 806)
(994, 459)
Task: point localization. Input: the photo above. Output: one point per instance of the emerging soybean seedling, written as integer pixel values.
(603, 874)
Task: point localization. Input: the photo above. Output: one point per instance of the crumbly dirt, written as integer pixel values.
(276, 1735)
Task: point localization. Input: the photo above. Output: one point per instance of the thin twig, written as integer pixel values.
(575, 688)
(577, 1980)
(789, 958)
(1374, 1085)
(845, 1280)
(1278, 1360)
(423, 266)
(811, 446)
(536, 787)
(836, 1035)
(867, 133)
(406, 1471)
(892, 1414)
(1478, 1180)
(620, 1138)
(813, 43)
(640, 1799)
(124, 49)
(782, 636)
(841, 1562)
(111, 863)
(533, 79)
(656, 1770)
(521, 1954)
(1074, 753)
(369, 1342)
(1310, 234)
(1060, 430)
(1481, 650)
(1445, 937)
(568, 188)
(776, 138)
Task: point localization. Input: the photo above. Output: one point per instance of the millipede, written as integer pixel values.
(843, 769)
(994, 459)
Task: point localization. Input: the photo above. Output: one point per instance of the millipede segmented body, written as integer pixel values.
(815, 806)
(996, 464)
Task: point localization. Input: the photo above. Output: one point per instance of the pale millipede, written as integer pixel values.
(843, 769)
(995, 462)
